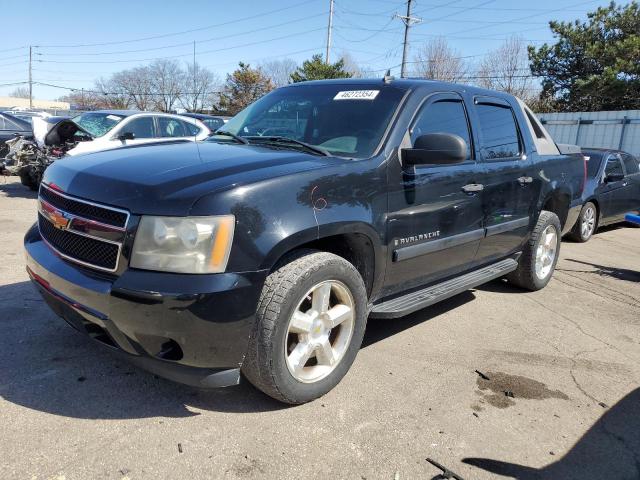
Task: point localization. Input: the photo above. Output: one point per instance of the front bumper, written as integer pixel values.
(193, 329)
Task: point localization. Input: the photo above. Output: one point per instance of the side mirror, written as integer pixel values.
(124, 136)
(614, 177)
(436, 149)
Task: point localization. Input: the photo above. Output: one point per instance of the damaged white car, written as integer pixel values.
(56, 137)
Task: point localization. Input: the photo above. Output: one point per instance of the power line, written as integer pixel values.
(529, 16)
(165, 35)
(259, 42)
(190, 43)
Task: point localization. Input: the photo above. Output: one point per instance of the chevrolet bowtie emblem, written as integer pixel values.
(57, 217)
(59, 220)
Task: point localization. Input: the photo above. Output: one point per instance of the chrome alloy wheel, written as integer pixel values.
(546, 251)
(319, 331)
(588, 222)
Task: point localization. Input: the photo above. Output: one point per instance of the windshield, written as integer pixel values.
(96, 123)
(345, 120)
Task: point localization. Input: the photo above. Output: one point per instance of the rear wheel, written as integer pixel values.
(586, 225)
(540, 255)
(309, 326)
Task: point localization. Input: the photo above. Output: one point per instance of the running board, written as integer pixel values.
(413, 301)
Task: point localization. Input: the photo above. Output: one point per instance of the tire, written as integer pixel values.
(271, 357)
(528, 275)
(27, 180)
(586, 224)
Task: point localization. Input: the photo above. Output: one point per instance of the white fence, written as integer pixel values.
(619, 130)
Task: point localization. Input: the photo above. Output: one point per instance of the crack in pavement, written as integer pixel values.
(579, 328)
(634, 303)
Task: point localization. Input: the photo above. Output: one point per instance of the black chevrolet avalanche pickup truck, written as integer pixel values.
(264, 249)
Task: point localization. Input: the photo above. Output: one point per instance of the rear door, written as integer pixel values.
(434, 225)
(614, 192)
(508, 195)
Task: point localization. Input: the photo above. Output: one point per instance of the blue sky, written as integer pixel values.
(250, 31)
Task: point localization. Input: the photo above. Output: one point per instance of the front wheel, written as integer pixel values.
(310, 322)
(27, 179)
(540, 255)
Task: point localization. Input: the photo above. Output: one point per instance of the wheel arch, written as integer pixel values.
(357, 243)
(596, 204)
(558, 201)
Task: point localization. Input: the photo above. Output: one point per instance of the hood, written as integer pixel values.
(167, 179)
(56, 131)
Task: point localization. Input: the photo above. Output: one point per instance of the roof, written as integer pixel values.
(199, 115)
(404, 83)
(602, 150)
(122, 113)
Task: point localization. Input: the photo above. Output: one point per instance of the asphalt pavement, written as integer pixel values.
(493, 383)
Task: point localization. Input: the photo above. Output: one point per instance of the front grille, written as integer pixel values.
(84, 210)
(78, 247)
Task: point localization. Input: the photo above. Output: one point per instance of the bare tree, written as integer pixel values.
(507, 69)
(198, 84)
(20, 92)
(112, 94)
(84, 100)
(279, 71)
(351, 65)
(167, 80)
(436, 60)
(137, 84)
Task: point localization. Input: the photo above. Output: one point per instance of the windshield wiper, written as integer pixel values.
(292, 141)
(232, 135)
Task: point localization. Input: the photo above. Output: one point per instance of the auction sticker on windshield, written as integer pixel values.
(357, 95)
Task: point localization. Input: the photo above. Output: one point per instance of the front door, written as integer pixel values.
(142, 128)
(509, 187)
(435, 211)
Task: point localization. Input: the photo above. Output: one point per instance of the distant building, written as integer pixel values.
(6, 103)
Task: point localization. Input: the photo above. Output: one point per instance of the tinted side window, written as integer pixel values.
(445, 116)
(170, 127)
(631, 164)
(6, 124)
(140, 127)
(499, 132)
(191, 129)
(213, 123)
(614, 166)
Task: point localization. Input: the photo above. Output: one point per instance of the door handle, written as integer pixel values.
(525, 180)
(473, 188)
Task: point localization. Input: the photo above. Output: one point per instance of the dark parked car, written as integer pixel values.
(267, 247)
(11, 126)
(213, 123)
(612, 190)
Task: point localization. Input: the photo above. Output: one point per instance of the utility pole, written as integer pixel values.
(195, 98)
(408, 20)
(30, 80)
(329, 31)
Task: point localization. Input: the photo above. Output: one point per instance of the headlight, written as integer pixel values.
(183, 244)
